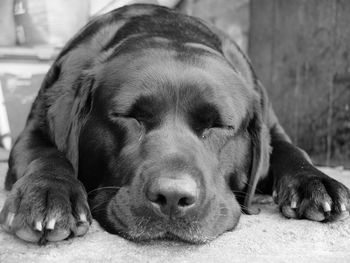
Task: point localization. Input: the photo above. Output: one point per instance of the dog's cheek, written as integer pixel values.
(214, 140)
(97, 146)
(234, 160)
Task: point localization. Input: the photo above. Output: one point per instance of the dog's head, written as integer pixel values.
(171, 137)
(167, 137)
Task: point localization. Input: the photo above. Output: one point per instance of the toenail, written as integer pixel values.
(38, 226)
(83, 218)
(342, 207)
(326, 207)
(51, 224)
(9, 219)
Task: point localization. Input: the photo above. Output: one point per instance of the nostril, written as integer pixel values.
(172, 196)
(160, 200)
(186, 201)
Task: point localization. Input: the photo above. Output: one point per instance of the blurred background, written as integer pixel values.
(300, 50)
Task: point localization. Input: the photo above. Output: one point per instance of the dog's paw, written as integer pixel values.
(41, 210)
(313, 196)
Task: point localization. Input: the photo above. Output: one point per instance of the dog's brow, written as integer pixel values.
(146, 104)
(123, 102)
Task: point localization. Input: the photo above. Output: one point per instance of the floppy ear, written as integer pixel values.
(68, 114)
(260, 152)
(234, 55)
(257, 129)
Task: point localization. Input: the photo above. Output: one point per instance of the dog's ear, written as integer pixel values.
(234, 55)
(238, 60)
(260, 152)
(68, 114)
(256, 128)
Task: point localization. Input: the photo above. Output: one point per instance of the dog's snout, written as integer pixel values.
(173, 197)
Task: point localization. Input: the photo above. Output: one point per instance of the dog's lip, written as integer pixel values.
(161, 229)
(141, 224)
(169, 235)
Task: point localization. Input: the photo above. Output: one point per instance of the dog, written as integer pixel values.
(155, 124)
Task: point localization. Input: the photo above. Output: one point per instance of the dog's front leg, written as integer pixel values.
(46, 202)
(300, 189)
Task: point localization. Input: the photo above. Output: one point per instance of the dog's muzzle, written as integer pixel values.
(173, 197)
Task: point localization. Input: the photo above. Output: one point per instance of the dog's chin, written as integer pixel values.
(179, 231)
(146, 228)
(170, 235)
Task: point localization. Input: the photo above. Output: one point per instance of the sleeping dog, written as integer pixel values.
(154, 123)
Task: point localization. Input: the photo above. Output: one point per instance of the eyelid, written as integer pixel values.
(114, 116)
(226, 127)
(229, 127)
(226, 130)
(222, 127)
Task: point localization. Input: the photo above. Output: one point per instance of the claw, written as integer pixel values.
(82, 218)
(9, 219)
(51, 224)
(342, 207)
(38, 226)
(326, 207)
(274, 196)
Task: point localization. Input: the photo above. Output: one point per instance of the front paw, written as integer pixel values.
(41, 209)
(312, 195)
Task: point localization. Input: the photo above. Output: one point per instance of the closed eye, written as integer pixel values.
(116, 117)
(147, 110)
(206, 116)
(223, 131)
(228, 127)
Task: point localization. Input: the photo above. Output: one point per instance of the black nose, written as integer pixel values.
(173, 197)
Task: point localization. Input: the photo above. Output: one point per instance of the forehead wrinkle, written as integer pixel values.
(161, 75)
(163, 80)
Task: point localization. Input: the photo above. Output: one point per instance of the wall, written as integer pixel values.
(299, 49)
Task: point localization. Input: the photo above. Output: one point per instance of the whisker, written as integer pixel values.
(243, 192)
(98, 210)
(238, 192)
(99, 205)
(104, 188)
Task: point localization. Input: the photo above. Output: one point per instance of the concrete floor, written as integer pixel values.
(267, 237)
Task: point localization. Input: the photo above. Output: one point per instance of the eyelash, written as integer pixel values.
(205, 134)
(202, 132)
